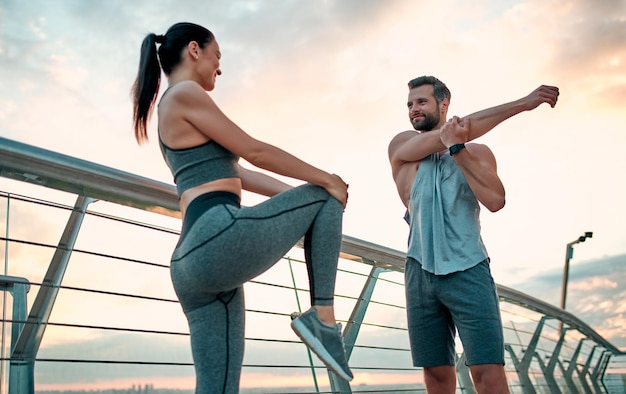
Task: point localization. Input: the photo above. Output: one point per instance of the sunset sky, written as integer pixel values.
(327, 81)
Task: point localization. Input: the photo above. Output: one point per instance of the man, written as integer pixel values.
(441, 179)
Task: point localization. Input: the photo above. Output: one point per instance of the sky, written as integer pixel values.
(327, 81)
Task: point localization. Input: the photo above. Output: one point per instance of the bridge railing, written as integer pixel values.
(87, 299)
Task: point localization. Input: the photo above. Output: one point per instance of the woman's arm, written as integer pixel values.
(263, 184)
(202, 112)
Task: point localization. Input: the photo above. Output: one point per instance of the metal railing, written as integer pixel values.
(117, 230)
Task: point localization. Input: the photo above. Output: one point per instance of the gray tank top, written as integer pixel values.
(200, 164)
(443, 215)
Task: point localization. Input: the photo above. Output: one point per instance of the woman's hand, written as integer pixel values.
(338, 189)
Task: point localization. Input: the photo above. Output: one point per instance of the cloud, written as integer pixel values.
(595, 294)
(589, 51)
(591, 35)
(593, 284)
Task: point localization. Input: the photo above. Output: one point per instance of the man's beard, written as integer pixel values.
(429, 122)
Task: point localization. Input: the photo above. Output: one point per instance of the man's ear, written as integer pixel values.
(443, 106)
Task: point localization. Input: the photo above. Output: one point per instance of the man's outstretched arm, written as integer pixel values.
(485, 120)
(412, 146)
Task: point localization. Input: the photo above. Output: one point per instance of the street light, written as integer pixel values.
(569, 253)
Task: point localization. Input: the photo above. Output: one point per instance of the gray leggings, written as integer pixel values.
(223, 245)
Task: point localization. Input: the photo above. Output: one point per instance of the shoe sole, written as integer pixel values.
(303, 332)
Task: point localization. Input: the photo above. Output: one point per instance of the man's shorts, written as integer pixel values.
(437, 304)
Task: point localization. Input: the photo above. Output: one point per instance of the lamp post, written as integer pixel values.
(569, 253)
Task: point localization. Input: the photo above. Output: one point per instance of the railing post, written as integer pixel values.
(512, 354)
(549, 372)
(18, 288)
(583, 374)
(573, 367)
(598, 372)
(351, 332)
(524, 363)
(31, 335)
(308, 351)
(463, 375)
(353, 325)
(554, 388)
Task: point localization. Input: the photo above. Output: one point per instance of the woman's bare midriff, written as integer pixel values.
(232, 185)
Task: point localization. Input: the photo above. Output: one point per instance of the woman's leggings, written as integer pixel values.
(223, 245)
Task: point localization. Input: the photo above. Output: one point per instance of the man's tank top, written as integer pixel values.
(200, 164)
(443, 215)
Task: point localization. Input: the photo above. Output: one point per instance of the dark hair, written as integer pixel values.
(146, 87)
(440, 90)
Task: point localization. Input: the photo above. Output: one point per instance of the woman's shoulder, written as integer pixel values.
(186, 92)
(185, 87)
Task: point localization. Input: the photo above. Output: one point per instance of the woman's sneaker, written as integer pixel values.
(324, 340)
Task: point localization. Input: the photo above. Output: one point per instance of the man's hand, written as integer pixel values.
(543, 94)
(454, 131)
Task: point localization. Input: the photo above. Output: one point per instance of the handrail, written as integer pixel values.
(31, 164)
(55, 170)
(43, 167)
(537, 305)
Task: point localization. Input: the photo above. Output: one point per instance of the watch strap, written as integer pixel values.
(456, 148)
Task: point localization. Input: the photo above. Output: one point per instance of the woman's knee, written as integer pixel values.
(316, 190)
(319, 193)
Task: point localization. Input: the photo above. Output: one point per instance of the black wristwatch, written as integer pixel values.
(456, 148)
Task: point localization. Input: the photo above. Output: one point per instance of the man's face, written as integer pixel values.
(424, 111)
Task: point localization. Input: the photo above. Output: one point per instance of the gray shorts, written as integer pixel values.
(437, 304)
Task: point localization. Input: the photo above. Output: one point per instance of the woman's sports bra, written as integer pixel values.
(199, 164)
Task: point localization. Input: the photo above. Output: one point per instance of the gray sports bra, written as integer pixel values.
(200, 164)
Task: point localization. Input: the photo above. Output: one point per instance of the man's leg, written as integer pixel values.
(440, 380)
(431, 332)
(472, 299)
(489, 379)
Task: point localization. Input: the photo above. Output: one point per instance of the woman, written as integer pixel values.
(222, 244)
